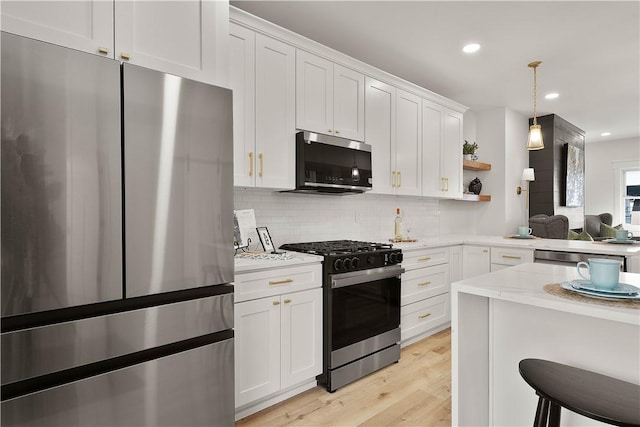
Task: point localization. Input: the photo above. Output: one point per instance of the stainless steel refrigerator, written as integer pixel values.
(117, 243)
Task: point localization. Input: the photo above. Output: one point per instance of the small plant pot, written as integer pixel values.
(467, 156)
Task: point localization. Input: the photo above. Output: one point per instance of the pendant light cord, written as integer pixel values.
(535, 91)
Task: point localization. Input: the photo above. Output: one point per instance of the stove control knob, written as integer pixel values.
(347, 263)
(354, 262)
(337, 265)
(400, 257)
(392, 258)
(371, 260)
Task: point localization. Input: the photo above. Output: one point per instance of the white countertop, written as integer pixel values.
(243, 265)
(548, 244)
(524, 284)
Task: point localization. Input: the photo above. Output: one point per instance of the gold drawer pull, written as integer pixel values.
(125, 56)
(103, 50)
(251, 163)
(484, 251)
(393, 179)
(511, 257)
(276, 303)
(280, 282)
(424, 283)
(424, 258)
(287, 301)
(422, 316)
(261, 158)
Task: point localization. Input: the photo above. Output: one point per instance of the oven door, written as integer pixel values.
(363, 304)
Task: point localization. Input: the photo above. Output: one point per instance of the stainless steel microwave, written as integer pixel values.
(330, 165)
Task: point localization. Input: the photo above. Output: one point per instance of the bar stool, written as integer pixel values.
(587, 393)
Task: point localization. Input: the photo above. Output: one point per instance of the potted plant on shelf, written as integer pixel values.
(468, 150)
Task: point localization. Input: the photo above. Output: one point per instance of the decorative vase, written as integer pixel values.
(467, 156)
(475, 186)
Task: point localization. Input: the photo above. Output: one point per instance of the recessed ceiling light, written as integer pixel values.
(470, 48)
(552, 95)
(605, 134)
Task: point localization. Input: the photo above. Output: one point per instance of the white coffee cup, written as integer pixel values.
(524, 231)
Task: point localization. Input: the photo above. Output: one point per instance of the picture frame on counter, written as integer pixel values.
(265, 239)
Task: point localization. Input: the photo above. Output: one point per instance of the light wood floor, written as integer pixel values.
(413, 392)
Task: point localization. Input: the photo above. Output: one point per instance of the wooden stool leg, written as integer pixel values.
(542, 411)
(554, 415)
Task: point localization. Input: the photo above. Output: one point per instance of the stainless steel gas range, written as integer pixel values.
(361, 307)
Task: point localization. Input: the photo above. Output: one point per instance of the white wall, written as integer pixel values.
(599, 179)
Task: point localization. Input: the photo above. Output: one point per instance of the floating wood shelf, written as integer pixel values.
(476, 197)
(475, 166)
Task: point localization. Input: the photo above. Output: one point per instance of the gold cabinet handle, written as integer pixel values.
(399, 179)
(330, 130)
(423, 316)
(484, 251)
(441, 184)
(251, 163)
(336, 131)
(393, 178)
(287, 301)
(103, 50)
(446, 181)
(511, 257)
(125, 56)
(260, 157)
(280, 282)
(276, 303)
(424, 283)
(424, 258)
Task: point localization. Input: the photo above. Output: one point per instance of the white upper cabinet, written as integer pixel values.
(262, 77)
(83, 25)
(452, 153)
(187, 39)
(329, 97)
(442, 152)
(393, 129)
(408, 144)
(380, 130)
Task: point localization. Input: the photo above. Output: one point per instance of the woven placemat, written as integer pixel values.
(556, 290)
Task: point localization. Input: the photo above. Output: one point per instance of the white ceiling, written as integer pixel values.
(590, 51)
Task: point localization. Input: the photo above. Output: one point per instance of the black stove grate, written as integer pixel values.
(336, 247)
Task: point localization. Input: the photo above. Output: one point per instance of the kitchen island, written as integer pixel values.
(505, 316)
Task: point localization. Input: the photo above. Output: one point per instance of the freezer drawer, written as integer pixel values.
(190, 388)
(38, 351)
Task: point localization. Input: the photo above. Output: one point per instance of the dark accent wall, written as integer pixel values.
(547, 191)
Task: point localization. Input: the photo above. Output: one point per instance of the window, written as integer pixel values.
(631, 197)
(626, 195)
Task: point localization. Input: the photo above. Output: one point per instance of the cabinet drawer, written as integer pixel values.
(425, 258)
(419, 317)
(509, 256)
(267, 283)
(424, 283)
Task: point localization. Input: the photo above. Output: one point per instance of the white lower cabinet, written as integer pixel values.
(278, 338)
(424, 300)
(506, 257)
(476, 260)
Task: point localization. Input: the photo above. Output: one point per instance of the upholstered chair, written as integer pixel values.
(592, 224)
(549, 227)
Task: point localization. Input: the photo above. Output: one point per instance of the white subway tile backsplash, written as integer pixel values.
(305, 217)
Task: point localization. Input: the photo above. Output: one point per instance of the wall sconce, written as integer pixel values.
(534, 142)
(528, 175)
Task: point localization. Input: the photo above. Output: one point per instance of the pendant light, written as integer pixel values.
(534, 142)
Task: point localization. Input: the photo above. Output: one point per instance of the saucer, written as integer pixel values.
(517, 236)
(598, 294)
(619, 289)
(621, 242)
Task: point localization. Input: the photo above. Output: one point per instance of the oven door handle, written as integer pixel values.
(364, 276)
